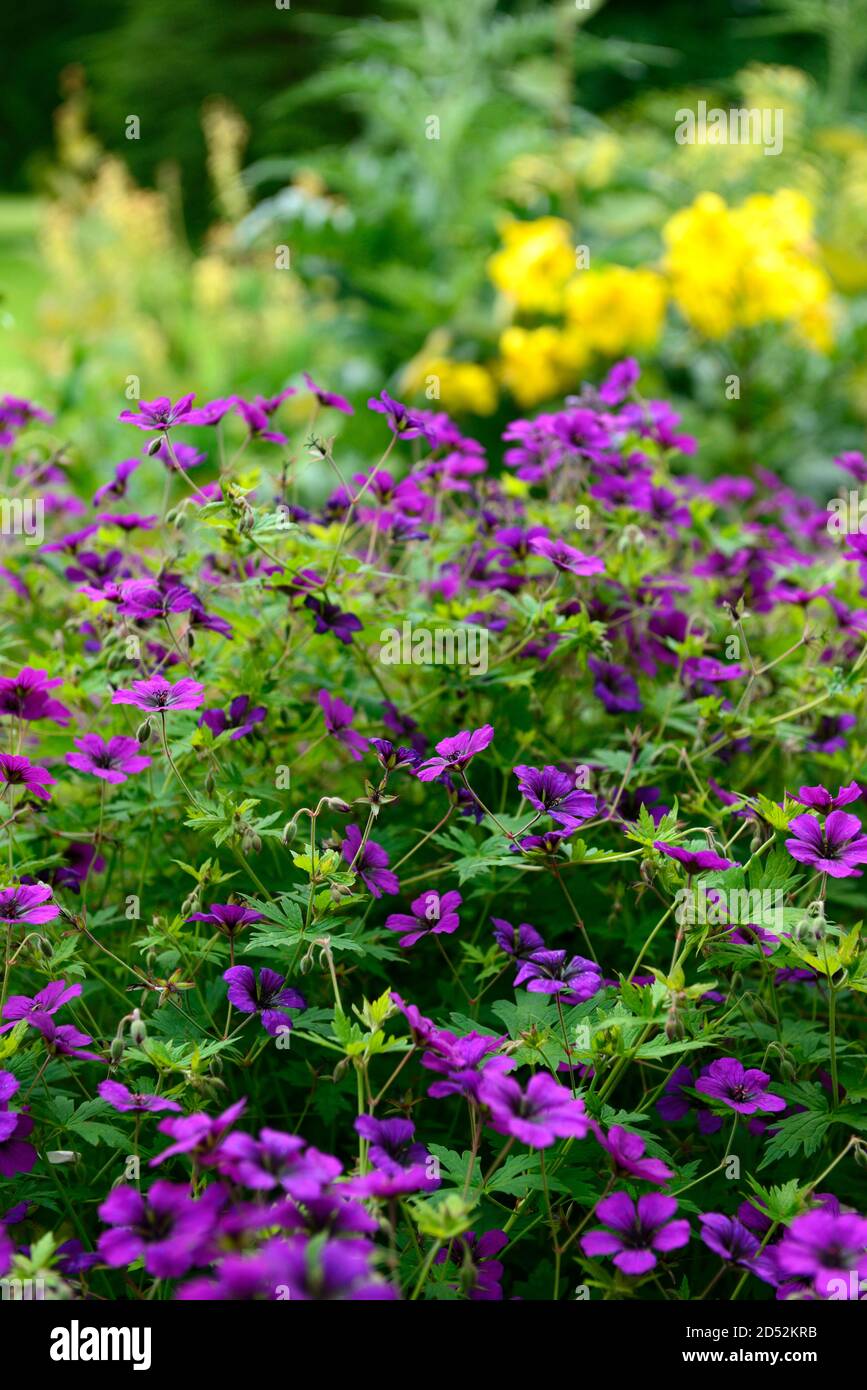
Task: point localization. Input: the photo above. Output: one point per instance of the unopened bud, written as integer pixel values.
(143, 732)
(154, 446)
(340, 1070)
(138, 1031)
(115, 1052)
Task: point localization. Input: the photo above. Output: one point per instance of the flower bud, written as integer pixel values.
(143, 732)
(138, 1031)
(154, 445)
(340, 1070)
(116, 1050)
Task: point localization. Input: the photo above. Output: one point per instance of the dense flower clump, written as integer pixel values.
(439, 886)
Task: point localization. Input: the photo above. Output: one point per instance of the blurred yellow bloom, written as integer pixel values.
(538, 363)
(616, 309)
(463, 386)
(732, 267)
(536, 261)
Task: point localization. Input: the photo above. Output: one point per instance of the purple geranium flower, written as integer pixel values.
(370, 863)
(327, 398)
(392, 758)
(456, 752)
(554, 792)
(549, 972)
(25, 696)
(20, 772)
(481, 1272)
(520, 941)
(327, 617)
(566, 558)
(728, 1237)
(160, 414)
(167, 1226)
(694, 861)
(338, 721)
(614, 686)
(742, 1090)
(157, 694)
(46, 1001)
(65, 1040)
(538, 1116)
(826, 1248)
(674, 1103)
(432, 914)
(627, 1155)
(121, 1098)
(268, 998)
(636, 1230)
(200, 1135)
(834, 850)
(277, 1159)
(114, 760)
(16, 1156)
(240, 718)
(27, 903)
(401, 420)
(819, 799)
(228, 918)
(392, 1146)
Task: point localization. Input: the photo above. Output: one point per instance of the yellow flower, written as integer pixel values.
(536, 261)
(616, 308)
(462, 386)
(752, 264)
(538, 363)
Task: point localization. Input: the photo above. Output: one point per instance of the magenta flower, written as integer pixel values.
(456, 752)
(239, 717)
(566, 558)
(160, 414)
(47, 1001)
(16, 1156)
(745, 1091)
(550, 972)
(371, 863)
(25, 696)
(200, 1135)
(401, 420)
(554, 792)
(614, 687)
(65, 1040)
(627, 1155)
(167, 1226)
(825, 1247)
(636, 1230)
(818, 799)
(728, 1237)
(327, 617)
(338, 721)
(113, 761)
(121, 1098)
(156, 694)
(538, 1116)
(28, 902)
(266, 997)
(836, 850)
(327, 398)
(432, 915)
(228, 918)
(20, 772)
(694, 861)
